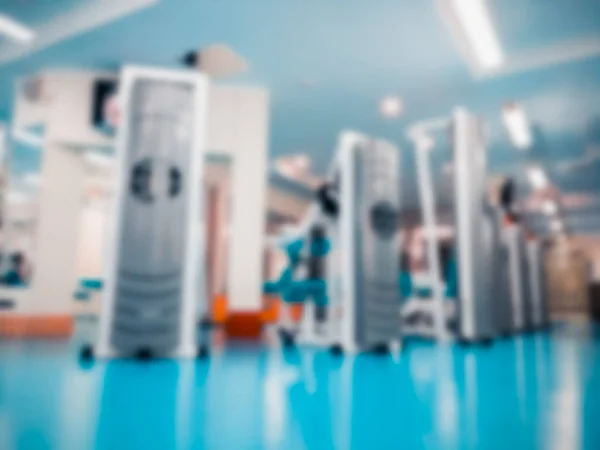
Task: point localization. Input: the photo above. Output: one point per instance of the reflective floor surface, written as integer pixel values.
(537, 391)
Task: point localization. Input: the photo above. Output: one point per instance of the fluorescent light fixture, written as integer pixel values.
(549, 208)
(27, 138)
(476, 21)
(538, 178)
(391, 107)
(302, 162)
(15, 30)
(294, 166)
(517, 126)
(556, 226)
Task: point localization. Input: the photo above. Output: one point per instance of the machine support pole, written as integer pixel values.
(423, 146)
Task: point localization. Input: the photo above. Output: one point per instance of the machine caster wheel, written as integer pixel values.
(203, 352)
(86, 354)
(484, 342)
(287, 338)
(464, 343)
(487, 342)
(381, 350)
(144, 354)
(336, 350)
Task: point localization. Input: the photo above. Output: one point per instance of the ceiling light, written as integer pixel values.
(390, 107)
(556, 226)
(476, 21)
(15, 30)
(302, 162)
(295, 166)
(538, 178)
(549, 208)
(517, 126)
(217, 60)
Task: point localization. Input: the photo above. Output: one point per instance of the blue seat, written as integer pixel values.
(408, 289)
(452, 278)
(406, 285)
(81, 295)
(94, 284)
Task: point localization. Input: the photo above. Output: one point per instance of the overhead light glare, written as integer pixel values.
(517, 126)
(476, 21)
(294, 166)
(538, 178)
(549, 208)
(15, 30)
(556, 226)
(391, 107)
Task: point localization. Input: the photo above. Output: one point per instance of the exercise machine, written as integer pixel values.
(476, 234)
(517, 265)
(357, 211)
(155, 244)
(537, 284)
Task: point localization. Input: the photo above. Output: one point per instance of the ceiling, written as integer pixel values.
(328, 63)
(36, 12)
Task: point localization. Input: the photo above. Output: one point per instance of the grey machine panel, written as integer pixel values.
(519, 278)
(152, 230)
(376, 237)
(502, 311)
(474, 221)
(537, 284)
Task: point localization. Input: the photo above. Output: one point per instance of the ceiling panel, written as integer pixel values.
(525, 25)
(354, 55)
(36, 12)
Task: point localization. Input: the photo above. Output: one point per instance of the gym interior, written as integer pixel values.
(299, 224)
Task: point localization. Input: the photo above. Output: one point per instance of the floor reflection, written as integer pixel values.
(535, 391)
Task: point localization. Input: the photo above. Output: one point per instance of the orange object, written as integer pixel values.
(248, 325)
(36, 326)
(219, 308)
(297, 312)
(244, 325)
(271, 309)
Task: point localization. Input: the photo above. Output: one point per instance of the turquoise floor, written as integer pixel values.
(538, 391)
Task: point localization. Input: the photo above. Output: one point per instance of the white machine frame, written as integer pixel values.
(341, 293)
(195, 233)
(467, 136)
(423, 145)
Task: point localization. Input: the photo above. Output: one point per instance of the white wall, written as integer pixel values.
(65, 107)
(238, 126)
(55, 274)
(90, 245)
